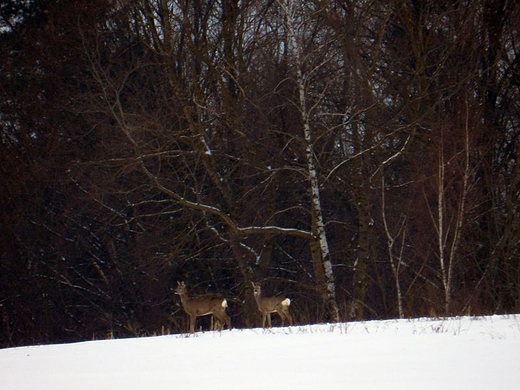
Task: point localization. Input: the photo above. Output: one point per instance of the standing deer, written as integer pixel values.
(268, 305)
(201, 306)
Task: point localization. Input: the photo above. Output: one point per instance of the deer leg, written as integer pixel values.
(227, 321)
(281, 314)
(192, 323)
(289, 317)
(215, 323)
(222, 318)
(269, 320)
(285, 315)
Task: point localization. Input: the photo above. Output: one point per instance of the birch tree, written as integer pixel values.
(319, 244)
(451, 215)
(395, 249)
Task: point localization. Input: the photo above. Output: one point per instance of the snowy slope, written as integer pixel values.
(457, 353)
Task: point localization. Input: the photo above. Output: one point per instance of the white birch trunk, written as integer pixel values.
(318, 233)
(395, 260)
(448, 250)
(440, 229)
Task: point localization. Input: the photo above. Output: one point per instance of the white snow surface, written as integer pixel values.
(453, 353)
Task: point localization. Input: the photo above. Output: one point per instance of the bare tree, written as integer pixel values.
(395, 252)
(319, 243)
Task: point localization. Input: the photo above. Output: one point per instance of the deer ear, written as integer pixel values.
(252, 284)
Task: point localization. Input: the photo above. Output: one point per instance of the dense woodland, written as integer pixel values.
(358, 156)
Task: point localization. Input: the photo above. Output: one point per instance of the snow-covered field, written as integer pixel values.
(456, 353)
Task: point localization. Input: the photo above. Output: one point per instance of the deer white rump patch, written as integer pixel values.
(224, 303)
(286, 302)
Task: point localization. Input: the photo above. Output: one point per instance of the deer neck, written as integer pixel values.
(185, 299)
(258, 299)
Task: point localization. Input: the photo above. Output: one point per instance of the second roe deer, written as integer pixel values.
(201, 306)
(268, 305)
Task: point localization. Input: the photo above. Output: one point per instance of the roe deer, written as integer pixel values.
(268, 305)
(201, 306)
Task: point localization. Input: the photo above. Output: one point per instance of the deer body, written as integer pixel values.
(268, 305)
(201, 306)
